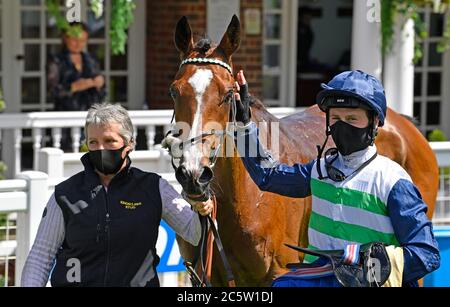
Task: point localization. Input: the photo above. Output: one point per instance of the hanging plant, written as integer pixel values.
(409, 9)
(2, 101)
(2, 107)
(121, 19)
(97, 7)
(2, 170)
(444, 44)
(54, 11)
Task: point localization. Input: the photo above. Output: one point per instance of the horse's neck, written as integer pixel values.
(260, 113)
(230, 172)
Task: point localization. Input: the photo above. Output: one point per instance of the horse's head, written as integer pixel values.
(202, 92)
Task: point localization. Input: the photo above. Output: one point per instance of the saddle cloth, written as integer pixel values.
(367, 265)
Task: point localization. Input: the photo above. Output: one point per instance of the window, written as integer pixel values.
(272, 51)
(279, 52)
(39, 39)
(431, 74)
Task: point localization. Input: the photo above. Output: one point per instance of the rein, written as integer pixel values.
(211, 235)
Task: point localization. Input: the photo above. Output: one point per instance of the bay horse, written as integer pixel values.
(253, 224)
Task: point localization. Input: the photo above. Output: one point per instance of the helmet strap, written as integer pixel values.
(374, 130)
(321, 149)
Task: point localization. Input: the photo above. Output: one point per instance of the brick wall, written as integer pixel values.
(162, 57)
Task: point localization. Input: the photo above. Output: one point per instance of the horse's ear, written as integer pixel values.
(231, 40)
(183, 36)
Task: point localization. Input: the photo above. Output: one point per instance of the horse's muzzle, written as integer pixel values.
(194, 182)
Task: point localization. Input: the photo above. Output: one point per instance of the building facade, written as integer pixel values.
(276, 35)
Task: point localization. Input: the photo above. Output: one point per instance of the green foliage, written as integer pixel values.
(53, 9)
(390, 9)
(2, 101)
(3, 221)
(61, 22)
(2, 106)
(2, 165)
(2, 170)
(444, 44)
(388, 14)
(84, 148)
(437, 136)
(97, 8)
(121, 19)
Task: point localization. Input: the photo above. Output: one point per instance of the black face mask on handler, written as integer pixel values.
(348, 139)
(107, 161)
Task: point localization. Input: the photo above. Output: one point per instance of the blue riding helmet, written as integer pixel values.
(343, 88)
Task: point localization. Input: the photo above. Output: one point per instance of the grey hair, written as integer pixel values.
(105, 114)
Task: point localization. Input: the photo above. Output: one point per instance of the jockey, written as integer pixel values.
(358, 196)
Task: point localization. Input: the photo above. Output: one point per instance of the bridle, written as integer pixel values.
(229, 130)
(190, 267)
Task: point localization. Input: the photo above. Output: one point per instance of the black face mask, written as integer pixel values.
(107, 161)
(349, 139)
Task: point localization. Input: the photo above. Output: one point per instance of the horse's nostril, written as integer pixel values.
(182, 174)
(206, 175)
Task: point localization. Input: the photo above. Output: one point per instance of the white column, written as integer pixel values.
(28, 221)
(399, 69)
(136, 56)
(10, 154)
(218, 16)
(366, 38)
(37, 139)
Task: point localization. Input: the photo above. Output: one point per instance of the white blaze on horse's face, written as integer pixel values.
(199, 81)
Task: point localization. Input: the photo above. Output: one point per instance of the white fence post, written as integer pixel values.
(51, 162)
(28, 221)
(441, 150)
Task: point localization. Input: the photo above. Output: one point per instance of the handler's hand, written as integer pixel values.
(204, 208)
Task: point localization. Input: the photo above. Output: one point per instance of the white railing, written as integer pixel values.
(25, 197)
(12, 128)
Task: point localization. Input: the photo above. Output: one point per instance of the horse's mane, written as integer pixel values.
(413, 120)
(204, 44)
(255, 102)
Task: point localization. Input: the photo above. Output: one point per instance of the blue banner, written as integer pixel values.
(167, 249)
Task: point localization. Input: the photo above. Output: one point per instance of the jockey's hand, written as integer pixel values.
(242, 99)
(204, 208)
